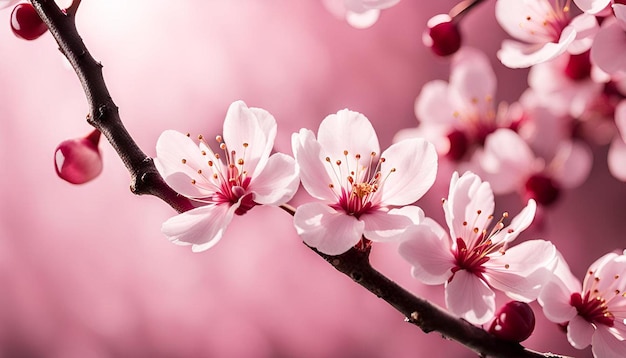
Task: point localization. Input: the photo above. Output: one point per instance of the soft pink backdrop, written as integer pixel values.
(85, 271)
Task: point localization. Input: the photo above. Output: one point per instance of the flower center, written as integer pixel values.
(359, 185)
(474, 246)
(595, 305)
(224, 175)
(592, 308)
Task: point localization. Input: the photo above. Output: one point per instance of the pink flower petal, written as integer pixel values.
(609, 47)
(579, 332)
(467, 196)
(522, 270)
(362, 20)
(555, 301)
(414, 162)
(379, 4)
(572, 163)
(385, 226)
(512, 15)
(617, 159)
(507, 161)
(277, 183)
(324, 228)
(432, 106)
(605, 344)
(313, 171)
(472, 81)
(519, 223)
(347, 130)
(592, 6)
(201, 227)
(514, 54)
(586, 27)
(253, 126)
(429, 254)
(171, 148)
(469, 297)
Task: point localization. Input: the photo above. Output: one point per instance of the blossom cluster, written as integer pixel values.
(361, 196)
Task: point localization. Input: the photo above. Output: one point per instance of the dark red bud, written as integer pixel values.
(515, 321)
(442, 36)
(78, 160)
(542, 188)
(26, 23)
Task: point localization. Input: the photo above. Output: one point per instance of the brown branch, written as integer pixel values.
(103, 113)
(145, 179)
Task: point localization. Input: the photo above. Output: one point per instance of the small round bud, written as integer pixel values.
(542, 188)
(515, 321)
(26, 23)
(459, 144)
(78, 160)
(442, 36)
(579, 66)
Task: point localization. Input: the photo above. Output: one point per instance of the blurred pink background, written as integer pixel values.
(85, 271)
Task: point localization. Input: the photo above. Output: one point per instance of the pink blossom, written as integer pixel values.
(225, 184)
(471, 259)
(594, 313)
(565, 84)
(510, 165)
(358, 186)
(592, 6)
(609, 47)
(360, 14)
(546, 29)
(457, 116)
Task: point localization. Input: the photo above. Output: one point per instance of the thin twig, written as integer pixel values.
(145, 179)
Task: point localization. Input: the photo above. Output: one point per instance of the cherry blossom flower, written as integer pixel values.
(592, 6)
(457, 116)
(360, 14)
(609, 47)
(595, 312)
(566, 85)
(359, 187)
(471, 259)
(227, 184)
(546, 29)
(510, 165)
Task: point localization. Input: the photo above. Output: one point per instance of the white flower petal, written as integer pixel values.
(555, 301)
(519, 223)
(467, 195)
(202, 227)
(606, 345)
(383, 226)
(432, 106)
(253, 126)
(515, 54)
(277, 183)
(592, 6)
(324, 228)
(313, 171)
(507, 161)
(414, 166)
(472, 81)
(469, 297)
(609, 47)
(579, 332)
(347, 130)
(429, 254)
(178, 160)
(522, 270)
(362, 20)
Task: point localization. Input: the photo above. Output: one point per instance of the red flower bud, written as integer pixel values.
(442, 36)
(78, 160)
(26, 23)
(515, 321)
